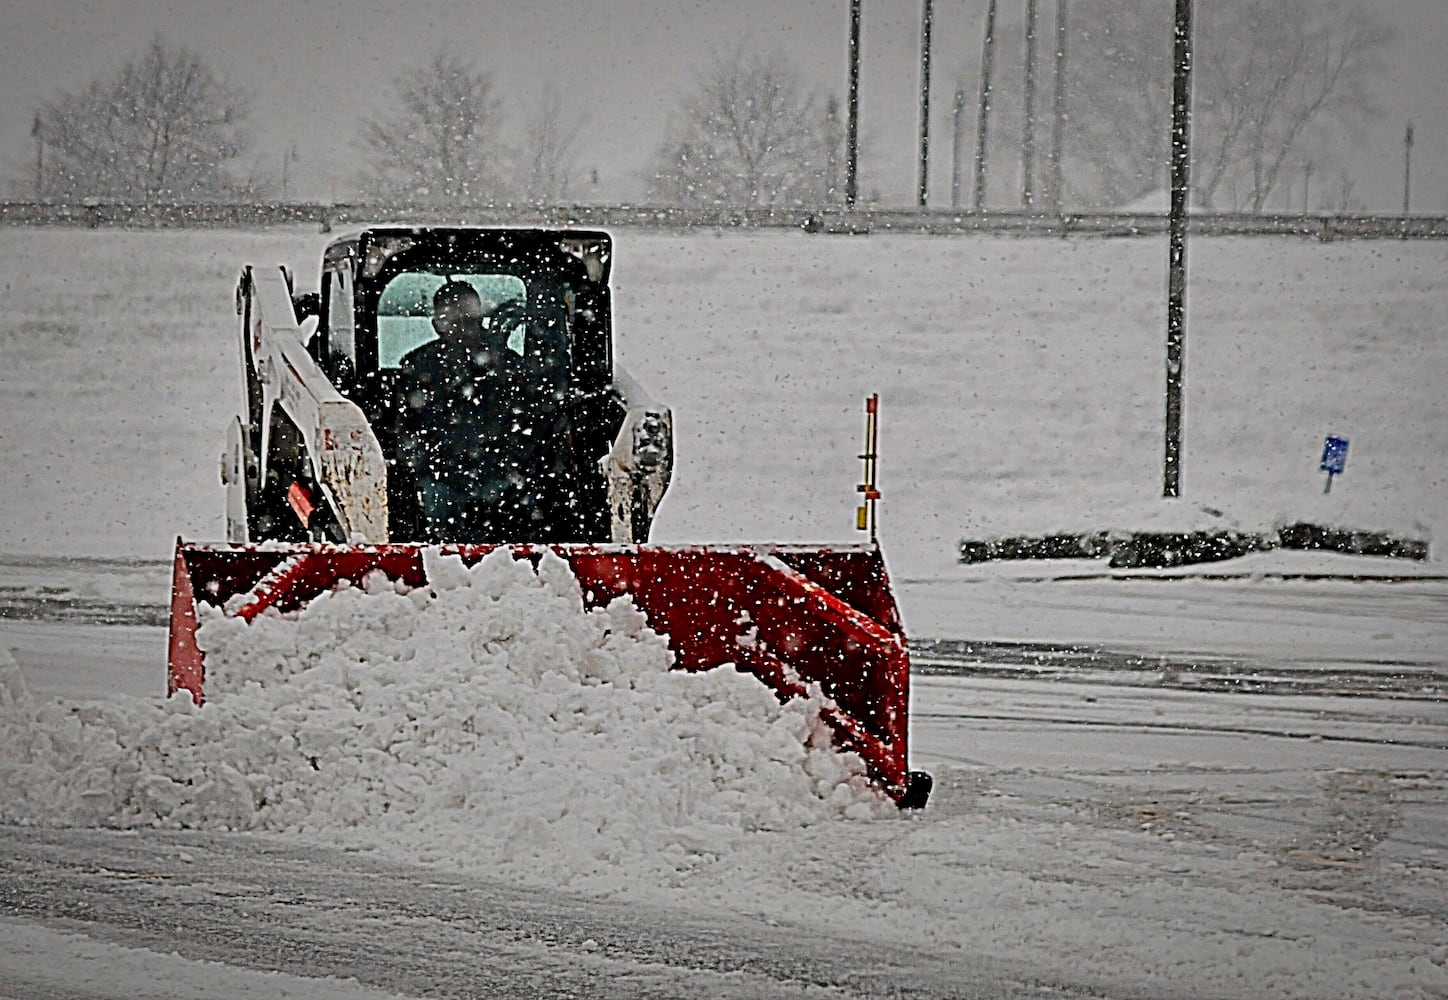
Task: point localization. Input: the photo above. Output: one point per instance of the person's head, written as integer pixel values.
(457, 311)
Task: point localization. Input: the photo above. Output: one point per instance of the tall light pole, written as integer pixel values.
(832, 159)
(922, 195)
(37, 132)
(982, 122)
(852, 141)
(957, 141)
(1407, 167)
(1028, 135)
(1059, 110)
(1181, 161)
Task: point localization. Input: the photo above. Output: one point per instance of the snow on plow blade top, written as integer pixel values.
(790, 615)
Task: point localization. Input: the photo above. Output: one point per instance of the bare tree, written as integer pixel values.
(748, 135)
(1293, 68)
(438, 143)
(547, 160)
(1343, 200)
(1274, 80)
(166, 127)
(1118, 100)
(832, 140)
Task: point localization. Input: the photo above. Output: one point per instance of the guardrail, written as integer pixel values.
(95, 214)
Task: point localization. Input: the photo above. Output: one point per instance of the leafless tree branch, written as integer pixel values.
(749, 135)
(165, 127)
(438, 143)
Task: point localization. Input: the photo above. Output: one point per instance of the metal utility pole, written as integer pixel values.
(957, 141)
(1407, 167)
(852, 141)
(1028, 135)
(832, 159)
(1181, 150)
(982, 122)
(923, 190)
(1059, 110)
(37, 131)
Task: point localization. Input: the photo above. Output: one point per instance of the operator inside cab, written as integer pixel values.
(482, 425)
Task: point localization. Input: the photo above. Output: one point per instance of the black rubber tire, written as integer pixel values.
(917, 790)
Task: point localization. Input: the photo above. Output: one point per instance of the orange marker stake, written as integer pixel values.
(865, 513)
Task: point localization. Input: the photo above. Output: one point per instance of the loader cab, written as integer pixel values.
(375, 307)
(361, 333)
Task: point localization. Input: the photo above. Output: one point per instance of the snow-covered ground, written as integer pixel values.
(1140, 828)
(1021, 382)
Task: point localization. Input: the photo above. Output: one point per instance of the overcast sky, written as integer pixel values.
(315, 68)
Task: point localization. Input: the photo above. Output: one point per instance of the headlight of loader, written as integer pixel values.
(651, 440)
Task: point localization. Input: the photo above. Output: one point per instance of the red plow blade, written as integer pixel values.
(789, 615)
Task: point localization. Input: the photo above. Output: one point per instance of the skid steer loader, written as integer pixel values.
(317, 491)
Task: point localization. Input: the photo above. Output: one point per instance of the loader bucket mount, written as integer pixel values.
(789, 615)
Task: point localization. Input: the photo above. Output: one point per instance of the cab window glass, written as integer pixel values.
(404, 311)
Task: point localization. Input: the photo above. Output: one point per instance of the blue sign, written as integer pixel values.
(1334, 455)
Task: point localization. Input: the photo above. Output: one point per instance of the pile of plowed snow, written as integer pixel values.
(487, 721)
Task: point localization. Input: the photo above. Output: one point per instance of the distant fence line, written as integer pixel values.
(930, 221)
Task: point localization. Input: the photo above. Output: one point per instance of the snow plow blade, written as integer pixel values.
(790, 615)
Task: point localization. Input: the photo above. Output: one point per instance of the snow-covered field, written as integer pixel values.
(1021, 382)
(1120, 832)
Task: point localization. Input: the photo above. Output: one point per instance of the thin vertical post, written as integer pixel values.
(37, 131)
(832, 157)
(869, 490)
(982, 124)
(1059, 111)
(923, 189)
(1028, 134)
(957, 141)
(852, 141)
(1407, 168)
(1181, 117)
